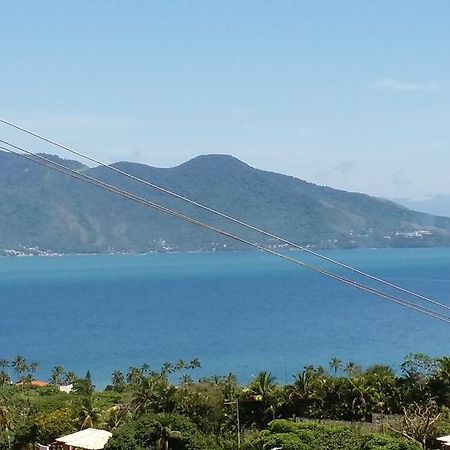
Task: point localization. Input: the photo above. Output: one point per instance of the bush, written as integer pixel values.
(52, 425)
(315, 436)
(376, 441)
(142, 432)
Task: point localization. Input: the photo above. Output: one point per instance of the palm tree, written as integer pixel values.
(361, 395)
(167, 368)
(180, 365)
(154, 393)
(4, 376)
(262, 387)
(305, 383)
(20, 365)
(113, 417)
(305, 391)
(229, 386)
(186, 380)
(335, 364)
(134, 375)
(6, 419)
(6, 423)
(70, 377)
(56, 376)
(165, 435)
(262, 392)
(143, 397)
(444, 368)
(33, 367)
(351, 368)
(118, 380)
(439, 383)
(89, 415)
(384, 393)
(194, 364)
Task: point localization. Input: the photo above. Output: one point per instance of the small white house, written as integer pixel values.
(444, 441)
(89, 439)
(66, 388)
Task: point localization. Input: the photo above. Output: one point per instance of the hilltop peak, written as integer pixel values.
(214, 160)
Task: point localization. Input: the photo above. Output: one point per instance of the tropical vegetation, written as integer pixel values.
(341, 406)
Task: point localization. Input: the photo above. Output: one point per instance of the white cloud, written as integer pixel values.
(394, 85)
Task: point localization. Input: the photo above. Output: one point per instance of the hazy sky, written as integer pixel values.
(351, 94)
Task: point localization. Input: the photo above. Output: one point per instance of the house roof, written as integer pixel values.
(35, 383)
(91, 439)
(39, 383)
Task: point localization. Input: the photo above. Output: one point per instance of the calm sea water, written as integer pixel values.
(239, 312)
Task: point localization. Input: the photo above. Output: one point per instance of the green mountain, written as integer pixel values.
(53, 212)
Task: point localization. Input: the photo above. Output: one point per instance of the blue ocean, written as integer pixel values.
(237, 312)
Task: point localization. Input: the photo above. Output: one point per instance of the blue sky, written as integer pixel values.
(351, 94)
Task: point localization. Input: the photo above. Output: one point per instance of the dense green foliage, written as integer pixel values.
(148, 409)
(315, 436)
(55, 212)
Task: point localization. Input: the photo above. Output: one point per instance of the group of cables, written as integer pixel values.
(432, 309)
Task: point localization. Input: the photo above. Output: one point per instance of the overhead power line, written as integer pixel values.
(226, 216)
(20, 151)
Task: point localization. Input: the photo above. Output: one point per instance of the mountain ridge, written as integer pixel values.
(55, 213)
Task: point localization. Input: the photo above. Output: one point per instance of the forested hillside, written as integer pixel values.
(56, 213)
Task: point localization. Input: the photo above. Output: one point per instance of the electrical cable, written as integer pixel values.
(227, 216)
(108, 187)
